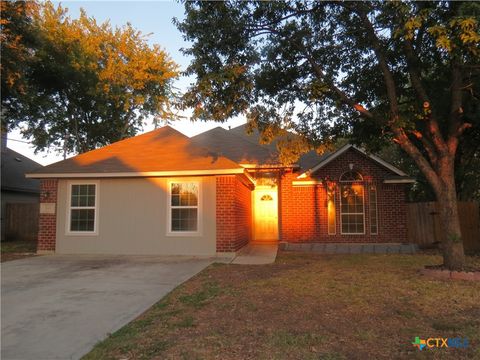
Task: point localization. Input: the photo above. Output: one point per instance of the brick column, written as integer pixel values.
(234, 210)
(225, 213)
(47, 223)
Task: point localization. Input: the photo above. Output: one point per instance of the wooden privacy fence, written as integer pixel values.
(425, 227)
(21, 222)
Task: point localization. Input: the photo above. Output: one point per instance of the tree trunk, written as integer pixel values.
(452, 247)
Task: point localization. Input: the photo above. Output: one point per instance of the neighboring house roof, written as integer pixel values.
(399, 175)
(14, 167)
(235, 147)
(161, 152)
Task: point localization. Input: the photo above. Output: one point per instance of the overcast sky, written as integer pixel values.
(150, 17)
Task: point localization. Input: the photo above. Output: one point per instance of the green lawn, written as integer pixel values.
(306, 307)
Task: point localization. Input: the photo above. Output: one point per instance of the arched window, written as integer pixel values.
(351, 176)
(266, 198)
(352, 207)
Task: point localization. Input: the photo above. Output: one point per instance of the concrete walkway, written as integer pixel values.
(256, 254)
(59, 307)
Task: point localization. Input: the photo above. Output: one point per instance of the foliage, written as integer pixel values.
(314, 67)
(88, 84)
(16, 37)
(376, 71)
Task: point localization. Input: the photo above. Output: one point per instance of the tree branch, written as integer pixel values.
(453, 139)
(294, 13)
(382, 61)
(343, 96)
(429, 148)
(456, 127)
(404, 142)
(413, 64)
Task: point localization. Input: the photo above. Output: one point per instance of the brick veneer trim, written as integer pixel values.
(47, 223)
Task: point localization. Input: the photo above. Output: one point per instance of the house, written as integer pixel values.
(16, 189)
(165, 193)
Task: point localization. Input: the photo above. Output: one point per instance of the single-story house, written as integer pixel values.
(165, 193)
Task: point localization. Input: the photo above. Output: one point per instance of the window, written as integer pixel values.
(351, 203)
(373, 210)
(351, 176)
(184, 207)
(82, 212)
(331, 210)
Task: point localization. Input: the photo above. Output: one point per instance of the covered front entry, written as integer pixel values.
(265, 202)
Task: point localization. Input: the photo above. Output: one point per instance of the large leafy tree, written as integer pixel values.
(379, 72)
(85, 84)
(17, 36)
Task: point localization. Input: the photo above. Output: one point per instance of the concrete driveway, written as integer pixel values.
(59, 307)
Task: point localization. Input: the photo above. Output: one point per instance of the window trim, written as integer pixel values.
(342, 213)
(169, 231)
(351, 181)
(331, 192)
(69, 207)
(370, 208)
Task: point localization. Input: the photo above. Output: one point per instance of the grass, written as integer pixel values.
(305, 306)
(12, 250)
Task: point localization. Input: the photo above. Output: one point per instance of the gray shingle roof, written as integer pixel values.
(234, 147)
(163, 149)
(306, 161)
(14, 167)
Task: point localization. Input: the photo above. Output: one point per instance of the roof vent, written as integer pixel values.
(18, 159)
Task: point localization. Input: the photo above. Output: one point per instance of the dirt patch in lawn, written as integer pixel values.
(13, 250)
(305, 306)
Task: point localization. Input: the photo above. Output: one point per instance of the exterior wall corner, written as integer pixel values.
(233, 214)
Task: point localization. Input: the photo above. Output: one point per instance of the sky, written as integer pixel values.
(150, 17)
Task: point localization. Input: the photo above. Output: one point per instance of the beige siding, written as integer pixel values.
(132, 219)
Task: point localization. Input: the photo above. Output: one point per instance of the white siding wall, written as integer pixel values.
(132, 219)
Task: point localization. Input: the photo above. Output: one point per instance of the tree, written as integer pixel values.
(86, 84)
(379, 72)
(17, 36)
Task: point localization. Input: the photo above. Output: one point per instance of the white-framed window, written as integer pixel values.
(331, 210)
(82, 211)
(352, 209)
(184, 208)
(372, 195)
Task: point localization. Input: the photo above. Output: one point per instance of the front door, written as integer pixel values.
(266, 213)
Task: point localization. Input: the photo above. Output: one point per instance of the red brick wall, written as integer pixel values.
(234, 213)
(303, 209)
(47, 223)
